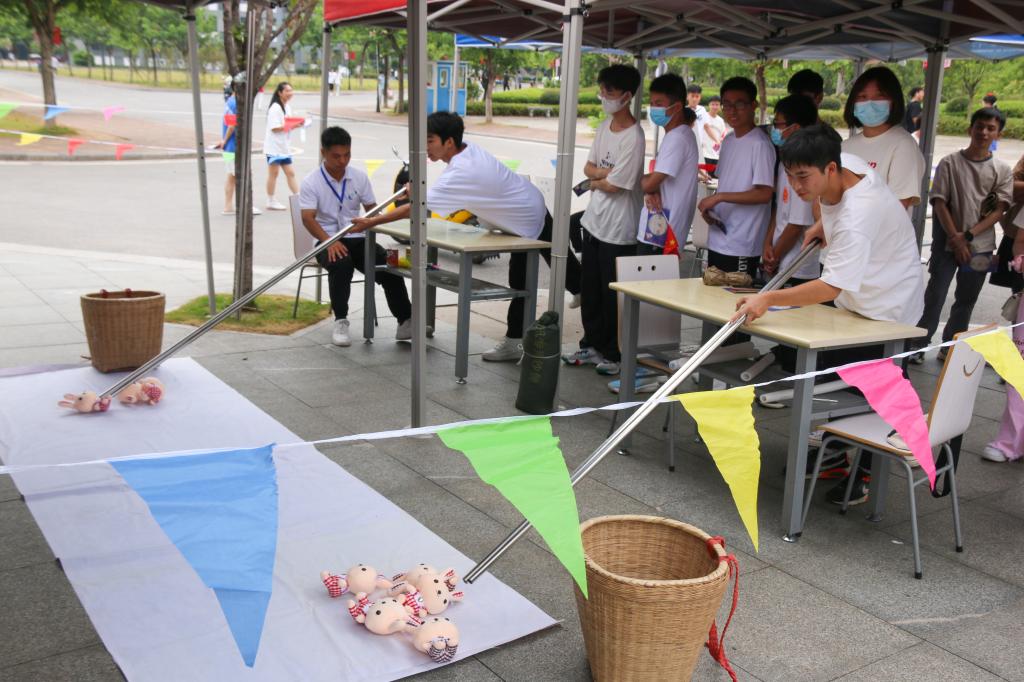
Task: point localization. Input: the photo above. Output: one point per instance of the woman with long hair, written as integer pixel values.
(275, 144)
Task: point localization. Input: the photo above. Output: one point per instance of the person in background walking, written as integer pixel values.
(228, 145)
(275, 145)
(912, 119)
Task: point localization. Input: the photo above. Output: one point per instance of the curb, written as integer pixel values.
(97, 157)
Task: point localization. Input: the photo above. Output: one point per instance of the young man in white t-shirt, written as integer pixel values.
(714, 131)
(693, 96)
(872, 266)
(330, 198)
(738, 212)
(476, 181)
(614, 167)
(670, 189)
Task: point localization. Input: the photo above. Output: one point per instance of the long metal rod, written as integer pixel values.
(237, 305)
(325, 76)
(644, 410)
(197, 112)
(416, 30)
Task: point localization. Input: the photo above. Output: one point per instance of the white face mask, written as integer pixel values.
(612, 106)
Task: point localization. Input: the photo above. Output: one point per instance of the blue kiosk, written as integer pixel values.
(439, 87)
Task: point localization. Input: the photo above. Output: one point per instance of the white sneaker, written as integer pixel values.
(275, 205)
(994, 454)
(256, 211)
(509, 350)
(339, 335)
(404, 331)
(608, 368)
(575, 302)
(228, 211)
(584, 356)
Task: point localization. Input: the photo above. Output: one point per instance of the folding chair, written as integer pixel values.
(949, 418)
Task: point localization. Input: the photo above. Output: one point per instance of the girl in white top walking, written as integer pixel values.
(275, 144)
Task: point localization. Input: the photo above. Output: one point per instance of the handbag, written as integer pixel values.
(1003, 276)
(1009, 311)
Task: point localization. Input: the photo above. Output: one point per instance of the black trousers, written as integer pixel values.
(517, 279)
(599, 304)
(339, 280)
(942, 270)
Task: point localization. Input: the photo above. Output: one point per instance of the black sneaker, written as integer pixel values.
(833, 463)
(916, 358)
(858, 495)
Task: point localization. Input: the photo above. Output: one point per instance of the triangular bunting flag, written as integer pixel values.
(292, 122)
(120, 149)
(513, 164)
(1002, 353)
(73, 144)
(53, 111)
(108, 112)
(522, 460)
(725, 421)
(6, 108)
(894, 399)
(220, 511)
(28, 138)
(554, 163)
(228, 156)
(372, 165)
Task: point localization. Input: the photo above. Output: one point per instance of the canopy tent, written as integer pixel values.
(757, 30)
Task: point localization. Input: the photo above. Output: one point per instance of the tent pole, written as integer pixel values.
(572, 41)
(929, 127)
(417, 60)
(638, 100)
(197, 112)
(325, 67)
(454, 90)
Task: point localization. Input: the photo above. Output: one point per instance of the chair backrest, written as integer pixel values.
(302, 241)
(658, 326)
(953, 402)
(699, 228)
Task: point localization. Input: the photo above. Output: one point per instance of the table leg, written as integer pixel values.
(462, 328)
(796, 460)
(878, 489)
(369, 283)
(431, 294)
(627, 367)
(707, 330)
(530, 304)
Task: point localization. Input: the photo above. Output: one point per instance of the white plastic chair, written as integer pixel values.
(302, 243)
(949, 417)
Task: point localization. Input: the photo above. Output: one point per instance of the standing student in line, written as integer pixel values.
(715, 131)
(738, 213)
(970, 192)
(693, 97)
(808, 83)
(874, 112)
(912, 119)
(276, 145)
(670, 189)
(614, 167)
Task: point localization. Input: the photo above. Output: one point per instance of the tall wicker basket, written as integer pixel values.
(654, 592)
(124, 328)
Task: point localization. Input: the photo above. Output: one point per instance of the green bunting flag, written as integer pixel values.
(6, 108)
(522, 460)
(513, 164)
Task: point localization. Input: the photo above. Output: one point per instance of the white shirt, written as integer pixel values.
(321, 194)
(276, 144)
(742, 163)
(791, 209)
(612, 218)
(872, 255)
(481, 184)
(895, 156)
(677, 158)
(718, 124)
(698, 125)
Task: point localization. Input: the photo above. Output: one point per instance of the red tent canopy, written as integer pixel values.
(337, 10)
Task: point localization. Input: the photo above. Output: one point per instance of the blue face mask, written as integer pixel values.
(659, 115)
(776, 135)
(872, 112)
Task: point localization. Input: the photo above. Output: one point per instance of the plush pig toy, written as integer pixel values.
(427, 591)
(360, 578)
(384, 616)
(85, 402)
(437, 638)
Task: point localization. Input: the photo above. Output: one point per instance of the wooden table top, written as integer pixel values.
(463, 238)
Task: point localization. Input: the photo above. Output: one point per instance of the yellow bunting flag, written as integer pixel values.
(726, 423)
(372, 165)
(1003, 354)
(29, 138)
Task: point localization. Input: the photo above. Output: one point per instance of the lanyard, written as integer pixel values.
(340, 197)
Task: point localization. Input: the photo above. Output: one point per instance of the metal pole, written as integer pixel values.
(376, 65)
(929, 127)
(638, 99)
(610, 445)
(237, 305)
(455, 75)
(417, 59)
(325, 66)
(197, 112)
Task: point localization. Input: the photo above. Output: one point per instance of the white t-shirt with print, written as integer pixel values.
(612, 217)
(276, 144)
(872, 253)
(677, 158)
(791, 209)
(743, 163)
(476, 181)
(321, 191)
(895, 156)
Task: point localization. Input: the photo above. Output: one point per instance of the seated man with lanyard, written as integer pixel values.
(330, 198)
(872, 266)
(476, 181)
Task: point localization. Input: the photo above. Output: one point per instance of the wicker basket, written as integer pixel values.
(124, 328)
(654, 592)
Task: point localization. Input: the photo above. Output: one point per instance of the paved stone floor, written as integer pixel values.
(840, 604)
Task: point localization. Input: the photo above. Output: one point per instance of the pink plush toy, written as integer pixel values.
(437, 638)
(384, 616)
(149, 390)
(85, 402)
(428, 591)
(359, 578)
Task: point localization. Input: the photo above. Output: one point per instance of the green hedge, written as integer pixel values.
(522, 109)
(957, 105)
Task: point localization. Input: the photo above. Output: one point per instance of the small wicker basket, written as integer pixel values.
(124, 328)
(654, 592)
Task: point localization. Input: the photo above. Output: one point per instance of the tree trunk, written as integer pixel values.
(488, 90)
(152, 57)
(400, 106)
(387, 77)
(46, 69)
(762, 93)
(88, 63)
(362, 63)
(243, 218)
(71, 61)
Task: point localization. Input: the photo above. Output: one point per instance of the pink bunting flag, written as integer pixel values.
(121, 149)
(230, 119)
(895, 400)
(73, 144)
(292, 122)
(108, 112)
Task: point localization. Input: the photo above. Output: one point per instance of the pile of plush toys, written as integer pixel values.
(148, 391)
(410, 603)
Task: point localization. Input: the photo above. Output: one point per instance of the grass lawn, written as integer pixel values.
(27, 123)
(273, 314)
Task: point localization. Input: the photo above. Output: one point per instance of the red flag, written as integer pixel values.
(121, 149)
(73, 144)
(292, 122)
(671, 244)
(230, 119)
(57, 38)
